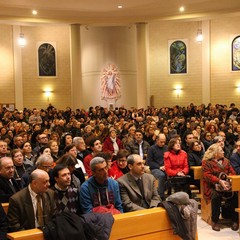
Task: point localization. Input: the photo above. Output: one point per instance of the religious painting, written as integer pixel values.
(236, 54)
(178, 57)
(46, 60)
(110, 83)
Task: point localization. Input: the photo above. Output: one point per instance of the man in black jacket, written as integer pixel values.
(8, 185)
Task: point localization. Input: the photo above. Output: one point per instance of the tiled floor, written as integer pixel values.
(205, 232)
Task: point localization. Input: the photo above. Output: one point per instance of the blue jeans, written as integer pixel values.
(161, 177)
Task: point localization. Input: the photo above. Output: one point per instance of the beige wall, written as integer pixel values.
(6, 65)
(162, 84)
(104, 45)
(34, 86)
(223, 80)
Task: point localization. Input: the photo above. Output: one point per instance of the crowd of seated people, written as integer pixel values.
(36, 139)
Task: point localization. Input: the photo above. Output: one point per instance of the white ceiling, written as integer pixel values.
(105, 12)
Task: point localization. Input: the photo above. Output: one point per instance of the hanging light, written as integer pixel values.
(21, 40)
(199, 37)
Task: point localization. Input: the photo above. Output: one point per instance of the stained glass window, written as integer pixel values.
(236, 54)
(46, 60)
(178, 57)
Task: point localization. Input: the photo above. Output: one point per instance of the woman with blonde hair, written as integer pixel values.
(214, 165)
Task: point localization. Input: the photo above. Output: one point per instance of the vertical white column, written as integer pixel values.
(206, 63)
(17, 65)
(76, 71)
(141, 60)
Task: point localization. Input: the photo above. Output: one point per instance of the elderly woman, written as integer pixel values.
(213, 164)
(112, 144)
(176, 166)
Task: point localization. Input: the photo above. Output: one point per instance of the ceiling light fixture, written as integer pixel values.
(182, 9)
(34, 12)
(120, 6)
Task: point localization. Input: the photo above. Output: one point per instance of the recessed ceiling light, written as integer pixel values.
(120, 6)
(34, 12)
(181, 9)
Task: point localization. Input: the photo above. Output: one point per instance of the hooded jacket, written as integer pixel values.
(93, 195)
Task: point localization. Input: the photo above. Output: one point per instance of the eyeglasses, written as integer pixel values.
(43, 137)
(47, 167)
(9, 168)
(122, 161)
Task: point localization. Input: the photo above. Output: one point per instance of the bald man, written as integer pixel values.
(23, 206)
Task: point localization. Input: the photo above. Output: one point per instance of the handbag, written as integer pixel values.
(226, 194)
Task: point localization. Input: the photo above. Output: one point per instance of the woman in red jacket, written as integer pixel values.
(112, 144)
(176, 166)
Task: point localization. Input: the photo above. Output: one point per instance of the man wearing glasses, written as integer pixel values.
(8, 185)
(42, 141)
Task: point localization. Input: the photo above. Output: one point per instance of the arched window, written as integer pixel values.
(236, 54)
(46, 60)
(178, 57)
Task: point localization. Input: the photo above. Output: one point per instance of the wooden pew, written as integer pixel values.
(143, 224)
(5, 207)
(206, 205)
(236, 188)
(206, 209)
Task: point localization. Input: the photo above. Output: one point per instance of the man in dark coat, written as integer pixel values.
(8, 185)
(23, 211)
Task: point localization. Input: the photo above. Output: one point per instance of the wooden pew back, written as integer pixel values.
(206, 209)
(5, 207)
(144, 224)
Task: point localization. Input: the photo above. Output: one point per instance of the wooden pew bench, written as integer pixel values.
(236, 188)
(206, 205)
(143, 224)
(206, 209)
(5, 207)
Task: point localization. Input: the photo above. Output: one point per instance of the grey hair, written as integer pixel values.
(217, 138)
(43, 158)
(130, 159)
(95, 161)
(76, 140)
